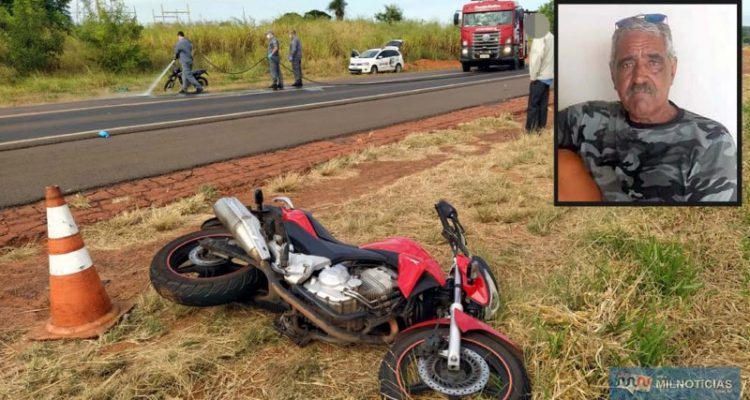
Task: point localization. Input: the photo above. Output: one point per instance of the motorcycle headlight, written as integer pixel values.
(508, 40)
(465, 52)
(465, 43)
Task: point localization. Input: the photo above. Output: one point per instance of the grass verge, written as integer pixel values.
(583, 290)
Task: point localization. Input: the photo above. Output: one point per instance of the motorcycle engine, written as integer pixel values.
(347, 289)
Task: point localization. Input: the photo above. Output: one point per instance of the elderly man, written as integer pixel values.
(644, 148)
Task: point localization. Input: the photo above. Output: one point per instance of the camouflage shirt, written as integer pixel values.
(688, 159)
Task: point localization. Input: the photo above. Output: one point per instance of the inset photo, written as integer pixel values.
(647, 105)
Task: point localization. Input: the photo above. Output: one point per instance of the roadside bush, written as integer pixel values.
(114, 39)
(7, 74)
(34, 35)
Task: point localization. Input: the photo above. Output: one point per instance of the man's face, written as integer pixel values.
(642, 75)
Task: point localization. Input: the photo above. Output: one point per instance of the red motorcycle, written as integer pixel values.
(388, 292)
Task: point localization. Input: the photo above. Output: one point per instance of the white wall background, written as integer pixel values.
(704, 37)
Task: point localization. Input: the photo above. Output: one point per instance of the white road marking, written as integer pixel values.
(194, 97)
(249, 114)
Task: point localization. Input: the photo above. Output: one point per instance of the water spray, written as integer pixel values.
(156, 82)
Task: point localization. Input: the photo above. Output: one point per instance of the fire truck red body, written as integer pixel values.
(492, 33)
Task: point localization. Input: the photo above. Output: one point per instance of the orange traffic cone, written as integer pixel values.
(79, 306)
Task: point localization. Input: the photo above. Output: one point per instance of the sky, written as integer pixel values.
(260, 10)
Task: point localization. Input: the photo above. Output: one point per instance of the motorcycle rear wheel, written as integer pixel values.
(400, 379)
(203, 81)
(184, 272)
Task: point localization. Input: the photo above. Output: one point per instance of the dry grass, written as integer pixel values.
(415, 146)
(78, 201)
(15, 254)
(583, 290)
(285, 183)
(136, 226)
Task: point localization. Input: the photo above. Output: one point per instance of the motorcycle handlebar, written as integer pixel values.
(453, 231)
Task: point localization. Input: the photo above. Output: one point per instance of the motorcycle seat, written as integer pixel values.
(325, 245)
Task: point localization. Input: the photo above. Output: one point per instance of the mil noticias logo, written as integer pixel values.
(633, 382)
(671, 383)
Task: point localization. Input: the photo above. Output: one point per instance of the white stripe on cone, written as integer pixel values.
(60, 222)
(70, 263)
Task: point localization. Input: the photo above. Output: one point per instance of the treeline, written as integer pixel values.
(36, 35)
(39, 36)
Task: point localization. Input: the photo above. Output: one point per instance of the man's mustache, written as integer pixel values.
(641, 88)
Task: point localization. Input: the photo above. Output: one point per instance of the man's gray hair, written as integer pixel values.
(641, 25)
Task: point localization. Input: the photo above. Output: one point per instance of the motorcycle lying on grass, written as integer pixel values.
(176, 76)
(388, 292)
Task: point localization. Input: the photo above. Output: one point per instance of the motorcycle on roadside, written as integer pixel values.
(176, 78)
(388, 292)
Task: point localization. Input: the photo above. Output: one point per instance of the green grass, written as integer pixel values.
(666, 266)
(650, 341)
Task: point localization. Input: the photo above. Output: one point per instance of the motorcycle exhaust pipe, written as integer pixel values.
(244, 227)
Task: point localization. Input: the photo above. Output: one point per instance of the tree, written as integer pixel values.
(316, 14)
(338, 7)
(113, 37)
(57, 11)
(291, 17)
(34, 36)
(548, 10)
(392, 13)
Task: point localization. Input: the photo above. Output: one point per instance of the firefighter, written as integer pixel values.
(183, 52)
(295, 57)
(274, 61)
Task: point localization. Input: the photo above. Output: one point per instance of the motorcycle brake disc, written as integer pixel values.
(471, 378)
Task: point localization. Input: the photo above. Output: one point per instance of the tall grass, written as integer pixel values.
(322, 40)
(232, 47)
(326, 45)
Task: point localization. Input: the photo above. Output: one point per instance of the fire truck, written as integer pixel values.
(492, 33)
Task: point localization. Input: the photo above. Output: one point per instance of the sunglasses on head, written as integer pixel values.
(651, 18)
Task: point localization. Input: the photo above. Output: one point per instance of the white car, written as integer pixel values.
(372, 61)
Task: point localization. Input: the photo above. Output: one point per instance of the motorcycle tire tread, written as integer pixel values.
(220, 290)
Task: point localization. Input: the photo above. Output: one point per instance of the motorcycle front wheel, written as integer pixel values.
(488, 369)
(203, 81)
(186, 273)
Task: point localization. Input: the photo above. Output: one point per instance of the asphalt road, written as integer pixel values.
(159, 146)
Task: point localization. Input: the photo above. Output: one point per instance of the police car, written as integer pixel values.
(372, 61)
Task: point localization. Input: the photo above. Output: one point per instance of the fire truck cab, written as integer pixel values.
(492, 33)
